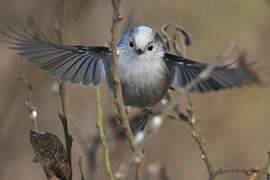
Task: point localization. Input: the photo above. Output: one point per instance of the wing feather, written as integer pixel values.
(75, 64)
(221, 77)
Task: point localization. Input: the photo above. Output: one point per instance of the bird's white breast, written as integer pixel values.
(140, 70)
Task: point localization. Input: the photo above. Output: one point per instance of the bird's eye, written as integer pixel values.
(150, 48)
(131, 44)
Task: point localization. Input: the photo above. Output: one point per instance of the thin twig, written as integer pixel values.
(28, 102)
(61, 31)
(62, 113)
(264, 170)
(207, 71)
(31, 110)
(140, 165)
(179, 30)
(200, 140)
(181, 51)
(103, 137)
(81, 168)
(117, 85)
(124, 168)
(190, 118)
(247, 171)
(185, 40)
(63, 117)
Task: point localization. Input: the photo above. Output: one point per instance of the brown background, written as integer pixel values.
(235, 123)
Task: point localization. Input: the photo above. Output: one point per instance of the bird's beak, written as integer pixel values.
(139, 51)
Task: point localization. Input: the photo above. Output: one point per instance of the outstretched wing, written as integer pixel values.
(75, 64)
(221, 77)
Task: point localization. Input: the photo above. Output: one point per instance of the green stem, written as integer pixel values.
(103, 136)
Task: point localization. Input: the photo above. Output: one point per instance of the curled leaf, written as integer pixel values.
(51, 153)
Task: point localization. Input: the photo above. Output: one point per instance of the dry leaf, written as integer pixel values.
(51, 153)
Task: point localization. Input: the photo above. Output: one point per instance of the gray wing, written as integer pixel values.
(75, 64)
(221, 77)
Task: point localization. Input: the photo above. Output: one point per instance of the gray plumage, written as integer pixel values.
(146, 69)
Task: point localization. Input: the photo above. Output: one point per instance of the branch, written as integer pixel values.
(200, 140)
(63, 118)
(247, 172)
(31, 110)
(103, 137)
(81, 168)
(28, 102)
(62, 112)
(190, 118)
(180, 31)
(207, 71)
(185, 40)
(117, 84)
(264, 170)
(140, 165)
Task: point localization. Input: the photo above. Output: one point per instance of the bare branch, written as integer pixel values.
(62, 112)
(206, 73)
(264, 170)
(179, 30)
(117, 84)
(190, 118)
(200, 140)
(68, 137)
(31, 110)
(247, 172)
(81, 168)
(182, 49)
(140, 165)
(28, 102)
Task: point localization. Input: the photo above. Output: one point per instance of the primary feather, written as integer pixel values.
(220, 78)
(76, 64)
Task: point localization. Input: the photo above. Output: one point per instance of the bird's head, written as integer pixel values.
(142, 41)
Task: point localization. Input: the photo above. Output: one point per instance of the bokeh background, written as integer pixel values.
(235, 123)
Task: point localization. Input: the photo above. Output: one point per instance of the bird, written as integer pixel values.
(146, 69)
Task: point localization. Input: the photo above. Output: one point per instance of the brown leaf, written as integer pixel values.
(51, 154)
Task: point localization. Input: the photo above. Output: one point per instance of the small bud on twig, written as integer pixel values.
(120, 17)
(62, 115)
(33, 114)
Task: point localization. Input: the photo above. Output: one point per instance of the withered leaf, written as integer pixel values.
(51, 153)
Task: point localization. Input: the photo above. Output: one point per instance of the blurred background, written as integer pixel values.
(235, 123)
